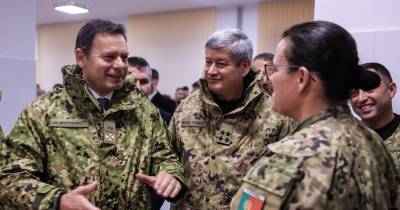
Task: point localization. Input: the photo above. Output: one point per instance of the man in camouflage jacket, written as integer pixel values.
(219, 137)
(67, 151)
(375, 109)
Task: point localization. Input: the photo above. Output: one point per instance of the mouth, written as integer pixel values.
(116, 77)
(366, 107)
(213, 80)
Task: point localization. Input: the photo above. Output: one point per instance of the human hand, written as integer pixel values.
(164, 184)
(76, 199)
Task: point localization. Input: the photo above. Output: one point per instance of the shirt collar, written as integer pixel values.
(151, 96)
(96, 95)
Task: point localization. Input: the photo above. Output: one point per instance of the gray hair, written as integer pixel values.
(233, 39)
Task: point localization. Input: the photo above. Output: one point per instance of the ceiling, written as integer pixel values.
(45, 14)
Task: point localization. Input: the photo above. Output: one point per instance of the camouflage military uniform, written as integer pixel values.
(65, 140)
(218, 149)
(330, 161)
(393, 145)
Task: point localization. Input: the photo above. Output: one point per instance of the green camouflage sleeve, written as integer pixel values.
(163, 156)
(22, 168)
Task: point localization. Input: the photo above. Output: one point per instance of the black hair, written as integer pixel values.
(138, 62)
(380, 69)
(185, 88)
(329, 50)
(266, 56)
(87, 33)
(154, 74)
(196, 84)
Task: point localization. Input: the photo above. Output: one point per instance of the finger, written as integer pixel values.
(86, 189)
(162, 176)
(177, 189)
(168, 190)
(163, 182)
(149, 180)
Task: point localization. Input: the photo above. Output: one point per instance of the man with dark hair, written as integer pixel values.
(259, 62)
(195, 86)
(143, 76)
(181, 93)
(161, 101)
(90, 143)
(375, 109)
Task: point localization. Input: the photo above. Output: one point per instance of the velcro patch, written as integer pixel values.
(251, 200)
(69, 123)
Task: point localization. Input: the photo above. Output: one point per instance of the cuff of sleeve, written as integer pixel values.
(47, 200)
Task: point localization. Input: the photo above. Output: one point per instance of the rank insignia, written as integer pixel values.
(224, 134)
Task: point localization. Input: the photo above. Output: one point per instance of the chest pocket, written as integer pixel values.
(273, 177)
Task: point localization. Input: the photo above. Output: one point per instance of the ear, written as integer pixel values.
(245, 66)
(392, 89)
(304, 78)
(80, 58)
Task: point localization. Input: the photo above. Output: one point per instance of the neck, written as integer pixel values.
(310, 107)
(234, 95)
(380, 123)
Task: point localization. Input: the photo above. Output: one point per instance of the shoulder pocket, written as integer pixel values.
(274, 175)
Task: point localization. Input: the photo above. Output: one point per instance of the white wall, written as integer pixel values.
(227, 17)
(17, 58)
(376, 27)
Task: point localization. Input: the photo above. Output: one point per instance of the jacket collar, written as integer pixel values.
(252, 90)
(75, 85)
(331, 112)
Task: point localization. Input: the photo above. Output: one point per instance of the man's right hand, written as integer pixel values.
(76, 199)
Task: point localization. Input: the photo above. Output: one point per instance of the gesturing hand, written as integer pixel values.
(76, 199)
(164, 184)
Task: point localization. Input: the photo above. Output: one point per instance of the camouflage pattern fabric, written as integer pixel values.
(393, 145)
(218, 149)
(64, 140)
(330, 161)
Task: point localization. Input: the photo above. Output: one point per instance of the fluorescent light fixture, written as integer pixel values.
(71, 8)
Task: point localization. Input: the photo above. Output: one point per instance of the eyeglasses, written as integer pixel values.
(270, 68)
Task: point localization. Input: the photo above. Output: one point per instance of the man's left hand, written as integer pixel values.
(164, 184)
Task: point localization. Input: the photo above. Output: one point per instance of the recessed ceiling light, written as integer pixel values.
(71, 8)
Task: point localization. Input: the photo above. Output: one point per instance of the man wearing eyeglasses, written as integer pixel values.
(222, 129)
(260, 62)
(375, 109)
(142, 73)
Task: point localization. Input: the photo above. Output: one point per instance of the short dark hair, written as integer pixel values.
(266, 56)
(87, 33)
(185, 88)
(154, 74)
(329, 50)
(195, 84)
(138, 62)
(380, 69)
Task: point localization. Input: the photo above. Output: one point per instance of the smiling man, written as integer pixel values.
(225, 127)
(93, 143)
(375, 109)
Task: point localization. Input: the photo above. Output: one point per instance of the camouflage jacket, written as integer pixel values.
(64, 140)
(393, 145)
(218, 149)
(330, 161)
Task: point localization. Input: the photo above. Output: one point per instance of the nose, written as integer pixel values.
(211, 69)
(362, 96)
(119, 63)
